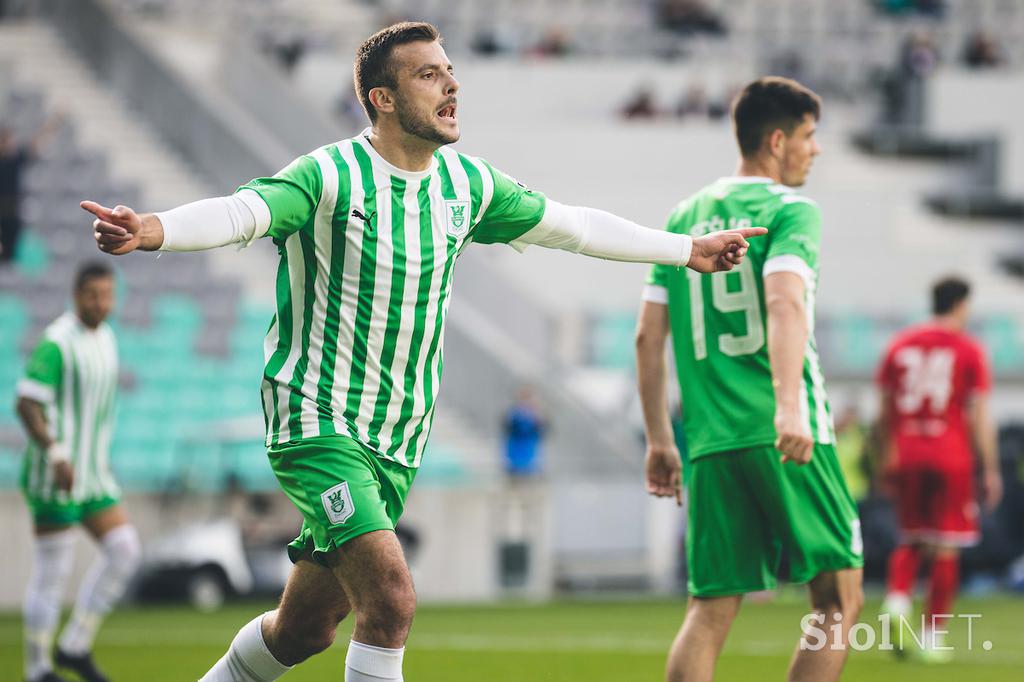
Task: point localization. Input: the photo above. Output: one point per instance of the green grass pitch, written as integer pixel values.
(563, 641)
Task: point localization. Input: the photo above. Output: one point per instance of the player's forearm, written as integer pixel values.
(983, 429)
(652, 383)
(787, 341)
(212, 223)
(151, 236)
(599, 234)
(33, 419)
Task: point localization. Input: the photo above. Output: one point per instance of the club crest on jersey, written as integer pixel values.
(337, 503)
(457, 213)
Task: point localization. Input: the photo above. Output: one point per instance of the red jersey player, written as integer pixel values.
(935, 383)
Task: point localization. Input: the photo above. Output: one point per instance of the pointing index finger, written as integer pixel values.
(751, 231)
(98, 210)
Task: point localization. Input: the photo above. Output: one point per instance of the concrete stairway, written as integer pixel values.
(104, 122)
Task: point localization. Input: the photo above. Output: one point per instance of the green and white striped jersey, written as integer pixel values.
(73, 373)
(366, 271)
(719, 321)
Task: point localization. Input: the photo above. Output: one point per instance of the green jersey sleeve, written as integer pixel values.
(292, 195)
(514, 210)
(43, 373)
(796, 232)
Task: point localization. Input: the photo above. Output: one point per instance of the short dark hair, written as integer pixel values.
(947, 293)
(768, 104)
(90, 271)
(374, 67)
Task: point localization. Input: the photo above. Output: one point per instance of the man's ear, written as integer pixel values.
(382, 100)
(776, 142)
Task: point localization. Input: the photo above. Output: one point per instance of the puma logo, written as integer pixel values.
(367, 220)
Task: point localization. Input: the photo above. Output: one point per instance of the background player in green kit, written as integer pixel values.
(66, 405)
(368, 230)
(764, 476)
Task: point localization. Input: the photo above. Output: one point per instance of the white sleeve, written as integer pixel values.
(600, 234)
(790, 263)
(655, 293)
(35, 390)
(209, 223)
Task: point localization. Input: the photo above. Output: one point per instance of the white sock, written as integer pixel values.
(366, 663)
(52, 555)
(120, 553)
(248, 659)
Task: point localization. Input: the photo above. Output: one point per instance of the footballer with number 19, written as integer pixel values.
(763, 475)
(368, 230)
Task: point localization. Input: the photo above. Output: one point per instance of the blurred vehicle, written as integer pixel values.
(208, 563)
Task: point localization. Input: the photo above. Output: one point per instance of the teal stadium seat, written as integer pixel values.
(15, 321)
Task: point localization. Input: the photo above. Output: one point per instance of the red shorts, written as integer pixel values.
(936, 505)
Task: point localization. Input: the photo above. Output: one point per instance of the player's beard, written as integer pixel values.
(421, 125)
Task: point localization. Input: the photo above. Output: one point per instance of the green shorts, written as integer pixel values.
(342, 489)
(52, 513)
(746, 509)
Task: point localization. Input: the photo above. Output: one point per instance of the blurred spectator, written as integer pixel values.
(694, 102)
(524, 429)
(554, 43)
(930, 8)
(919, 56)
(493, 40)
(287, 47)
(903, 87)
(14, 159)
(982, 51)
(641, 104)
(688, 17)
(486, 42)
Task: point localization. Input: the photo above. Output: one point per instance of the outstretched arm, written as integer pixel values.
(662, 465)
(201, 225)
(600, 234)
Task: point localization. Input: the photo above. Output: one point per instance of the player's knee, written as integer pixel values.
(391, 611)
(123, 548)
(400, 604)
(825, 596)
(835, 596)
(320, 639)
(716, 613)
(306, 637)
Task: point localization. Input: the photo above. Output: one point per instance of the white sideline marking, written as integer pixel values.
(193, 637)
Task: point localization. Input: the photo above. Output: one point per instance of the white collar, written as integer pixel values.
(744, 179)
(363, 140)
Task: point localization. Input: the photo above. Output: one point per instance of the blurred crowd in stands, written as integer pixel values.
(693, 103)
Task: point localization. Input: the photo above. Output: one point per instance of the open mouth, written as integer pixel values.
(447, 111)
